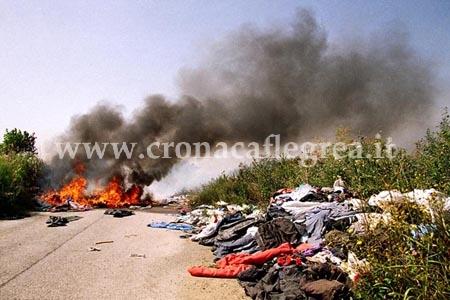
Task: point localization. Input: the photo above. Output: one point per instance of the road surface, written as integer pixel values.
(40, 262)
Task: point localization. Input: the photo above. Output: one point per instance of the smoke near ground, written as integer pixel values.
(253, 83)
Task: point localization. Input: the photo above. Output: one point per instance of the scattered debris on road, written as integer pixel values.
(137, 255)
(55, 221)
(104, 242)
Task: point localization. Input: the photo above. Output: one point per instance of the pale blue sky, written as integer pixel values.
(59, 58)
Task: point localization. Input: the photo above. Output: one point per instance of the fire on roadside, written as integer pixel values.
(113, 196)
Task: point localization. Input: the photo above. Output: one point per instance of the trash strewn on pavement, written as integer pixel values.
(55, 221)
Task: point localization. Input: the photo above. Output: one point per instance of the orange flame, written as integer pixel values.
(113, 196)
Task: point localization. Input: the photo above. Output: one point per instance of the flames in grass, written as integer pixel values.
(113, 196)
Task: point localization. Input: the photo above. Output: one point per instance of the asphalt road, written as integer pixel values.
(40, 262)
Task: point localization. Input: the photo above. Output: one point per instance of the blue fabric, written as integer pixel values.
(171, 226)
(422, 230)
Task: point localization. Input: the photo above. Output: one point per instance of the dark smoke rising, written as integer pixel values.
(255, 83)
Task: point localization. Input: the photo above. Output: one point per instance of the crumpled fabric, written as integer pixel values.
(230, 231)
(318, 218)
(421, 197)
(298, 209)
(294, 282)
(54, 221)
(325, 256)
(368, 221)
(171, 226)
(421, 230)
(245, 243)
(207, 231)
(323, 288)
(386, 197)
(301, 191)
(274, 211)
(231, 265)
(275, 232)
(236, 229)
(119, 213)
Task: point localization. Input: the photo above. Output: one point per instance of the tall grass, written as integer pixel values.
(404, 266)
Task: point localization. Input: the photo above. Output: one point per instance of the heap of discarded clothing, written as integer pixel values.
(282, 253)
(305, 219)
(279, 254)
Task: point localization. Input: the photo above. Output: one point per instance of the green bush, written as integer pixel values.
(20, 169)
(224, 188)
(19, 173)
(403, 266)
(253, 183)
(433, 157)
(367, 175)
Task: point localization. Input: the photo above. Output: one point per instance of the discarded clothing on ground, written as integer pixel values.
(277, 231)
(231, 265)
(292, 219)
(236, 229)
(244, 244)
(207, 235)
(324, 217)
(297, 281)
(274, 211)
(171, 226)
(229, 231)
(303, 193)
(298, 209)
(119, 213)
(55, 221)
(421, 197)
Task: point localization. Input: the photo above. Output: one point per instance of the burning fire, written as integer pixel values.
(113, 196)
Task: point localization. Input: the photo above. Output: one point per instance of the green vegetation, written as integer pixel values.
(433, 157)
(18, 142)
(19, 172)
(401, 267)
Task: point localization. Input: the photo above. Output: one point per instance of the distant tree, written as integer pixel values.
(18, 141)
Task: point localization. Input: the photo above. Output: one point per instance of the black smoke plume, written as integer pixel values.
(286, 81)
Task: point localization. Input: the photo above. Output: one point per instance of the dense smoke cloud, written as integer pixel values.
(286, 81)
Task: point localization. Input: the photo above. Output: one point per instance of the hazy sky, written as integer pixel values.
(59, 58)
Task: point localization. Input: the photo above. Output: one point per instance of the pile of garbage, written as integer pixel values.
(282, 253)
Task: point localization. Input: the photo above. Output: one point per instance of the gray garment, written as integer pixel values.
(237, 229)
(317, 218)
(276, 232)
(238, 242)
(315, 222)
(298, 209)
(236, 246)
